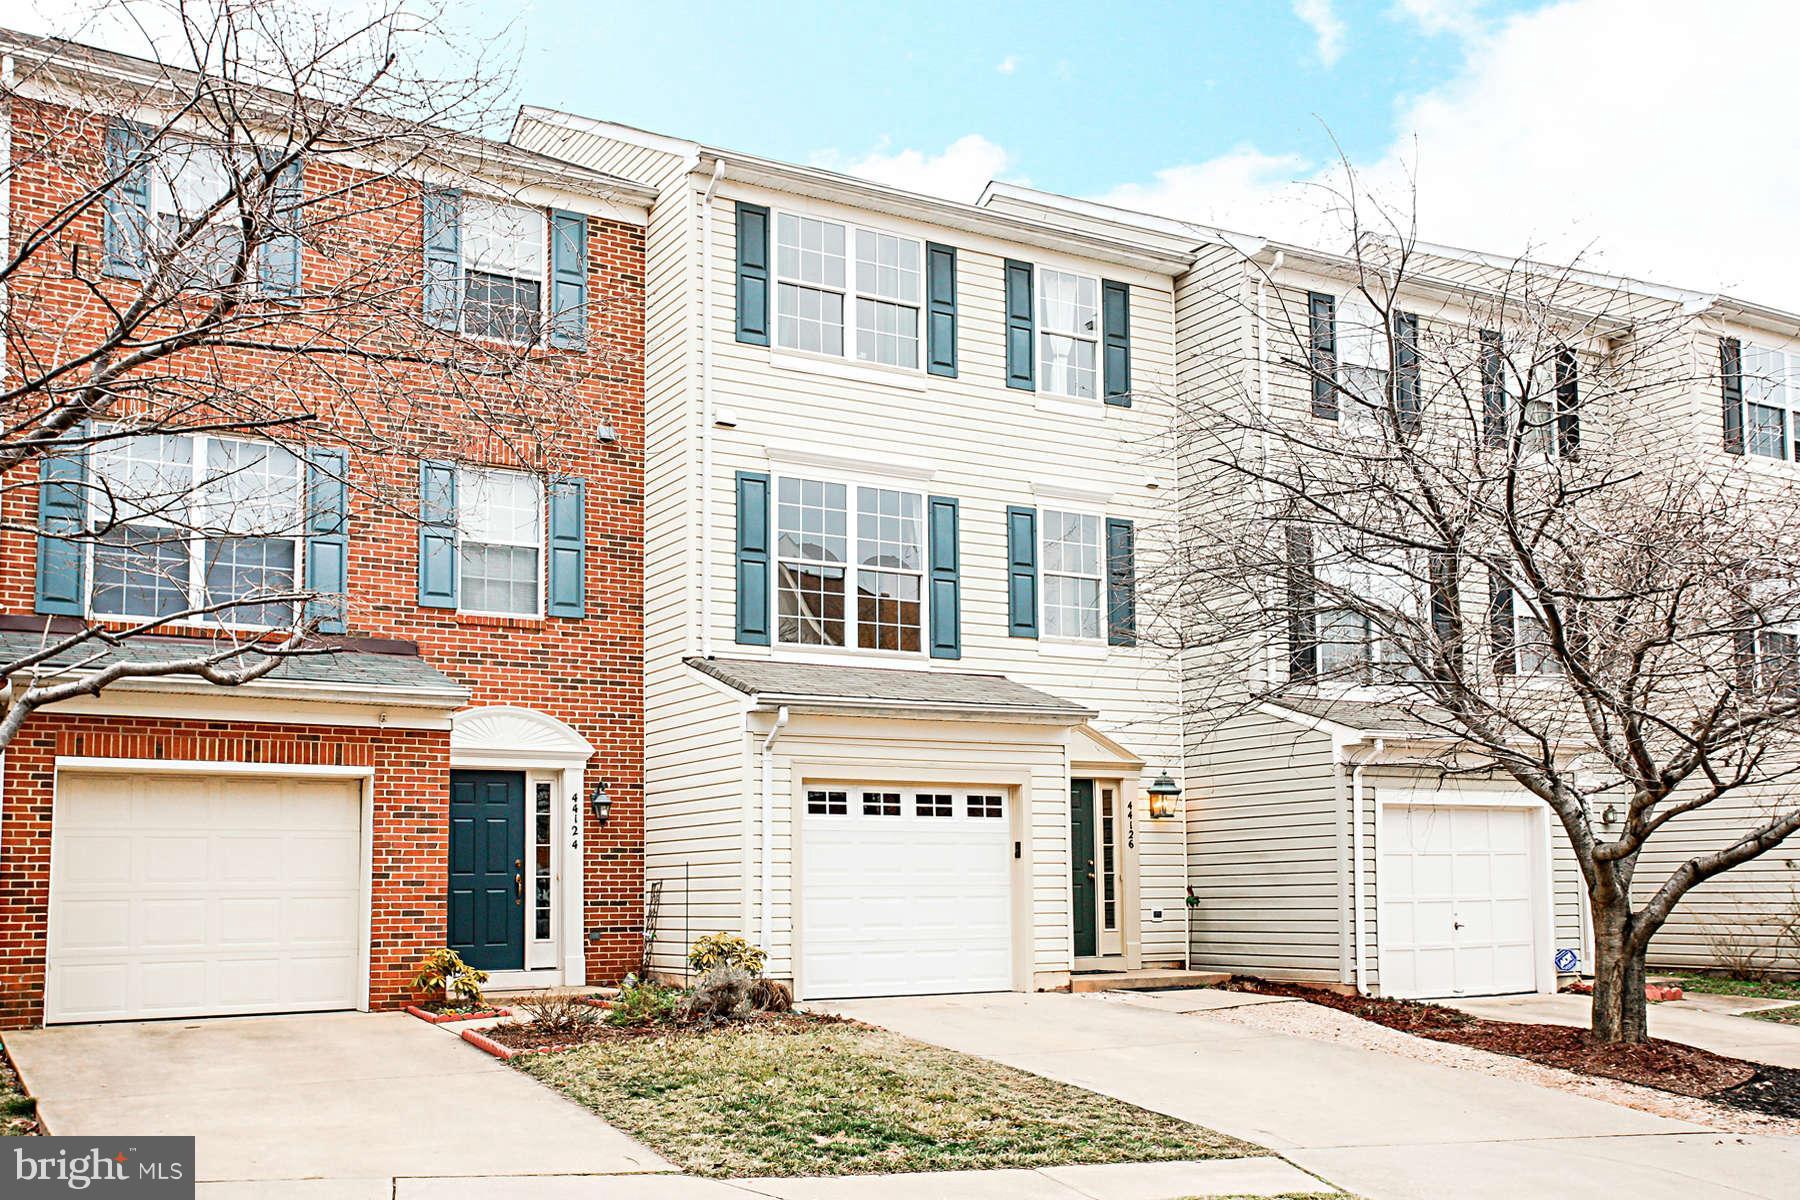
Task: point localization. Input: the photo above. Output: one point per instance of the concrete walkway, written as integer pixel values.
(326, 1106)
(1373, 1123)
(1710, 1022)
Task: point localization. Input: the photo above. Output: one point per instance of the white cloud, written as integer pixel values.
(1008, 65)
(1459, 17)
(1328, 28)
(958, 172)
(1624, 131)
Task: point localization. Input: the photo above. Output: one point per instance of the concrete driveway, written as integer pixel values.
(350, 1101)
(1374, 1123)
(1710, 1022)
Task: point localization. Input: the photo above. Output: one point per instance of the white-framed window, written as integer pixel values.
(934, 804)
(1771, 381)
(188, 521)
(499, 542)
(503, 269)
(881, 804)
(1364, 368)
(1353, 648)
(1778, 659)
(1531, 650)
(1068, 321)
(828, 803)
(829, 272)
(187, 179)
(1074, 580)
(842, 586)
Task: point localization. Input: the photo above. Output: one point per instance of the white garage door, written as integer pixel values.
(1458, 911)
(904, 891)
(181, 895)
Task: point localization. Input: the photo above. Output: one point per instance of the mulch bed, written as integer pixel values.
(1668, 1066)
(521, 1035)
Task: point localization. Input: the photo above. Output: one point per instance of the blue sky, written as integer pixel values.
(1653, 138)
(1084, 98)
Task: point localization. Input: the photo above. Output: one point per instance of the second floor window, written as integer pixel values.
(827, 272)
(186, 522)
(817, 575)
(1074, 580)
(1771, 380)
(500, 541)
(1068, 333)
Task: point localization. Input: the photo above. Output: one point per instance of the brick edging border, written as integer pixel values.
(481, 1041)
(447, 1018)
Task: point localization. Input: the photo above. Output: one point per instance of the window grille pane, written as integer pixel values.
(501, 307)
(1066, 366)
(828, 804)
(881, 804)
(249, 488)
(810, 604)
(141, 572)
(499, 579)
(934, 804)
(246, 569)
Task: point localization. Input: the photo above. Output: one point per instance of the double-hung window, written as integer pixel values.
(1771, 381)
(818, 574)
(818, 287)
(193, 190)
(1361, 601)
(184, 524)
(503, 270)
(1364, 368)
(500, 541)
(1068, 333)
(1074, 575)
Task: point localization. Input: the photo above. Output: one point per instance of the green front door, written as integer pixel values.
(1081, 864)
(486, 911)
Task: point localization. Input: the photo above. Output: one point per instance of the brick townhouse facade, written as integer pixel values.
(174, 848)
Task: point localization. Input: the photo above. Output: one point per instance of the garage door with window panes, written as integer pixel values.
(904, 890)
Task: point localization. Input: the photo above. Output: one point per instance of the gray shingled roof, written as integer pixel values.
(1382, 718)
(342, 668)
(769, 681)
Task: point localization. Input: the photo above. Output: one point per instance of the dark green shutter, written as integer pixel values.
(946, 578)
(1302, 619)
(126, 211)
(940, 309)
(443, 258)
(437, 535)
(1115, 324)
(1446, 617)
(327, 537)
(1321, 321)
(568, 548)
(1407, 398)
(568, 279)
(1500, 622)
(1731, 393)
(1493, 389)
(278, 258)
(1021, 332)
(1568, 404)
(62, 509)
(753, 278)
(753, 559)
(1121, 583)
(1021, 571)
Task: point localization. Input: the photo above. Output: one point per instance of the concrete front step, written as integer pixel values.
(1145, 980)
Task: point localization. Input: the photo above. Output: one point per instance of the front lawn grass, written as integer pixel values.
(846, 1099)
(1786, 1016)
(18, 1112)
(1728, 985)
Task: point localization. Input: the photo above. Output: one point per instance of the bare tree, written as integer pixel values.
(1489, 498)
(151, 287)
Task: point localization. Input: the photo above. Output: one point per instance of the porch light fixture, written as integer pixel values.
(1163, 793)
(600, 803)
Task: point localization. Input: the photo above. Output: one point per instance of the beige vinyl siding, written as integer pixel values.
(1264, 848)
(989, 446)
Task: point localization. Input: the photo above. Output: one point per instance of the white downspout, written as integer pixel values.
(768, 828)
(1359, 869)
(707, 482)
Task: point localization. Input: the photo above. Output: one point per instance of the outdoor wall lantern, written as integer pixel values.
(1163, 793)
(600, 803)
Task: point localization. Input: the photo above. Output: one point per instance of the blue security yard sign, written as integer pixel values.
(1567, 960)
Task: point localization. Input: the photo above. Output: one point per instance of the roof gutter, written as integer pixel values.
(765, 701)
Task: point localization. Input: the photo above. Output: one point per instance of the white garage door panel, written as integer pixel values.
(905, 905)
(1458, 916)
(179, 895)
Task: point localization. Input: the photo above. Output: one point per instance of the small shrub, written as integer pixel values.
(642, 1002)
(771, 995)
(443, 973)
(725, 950)
(722, 995)
(558, 1011)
